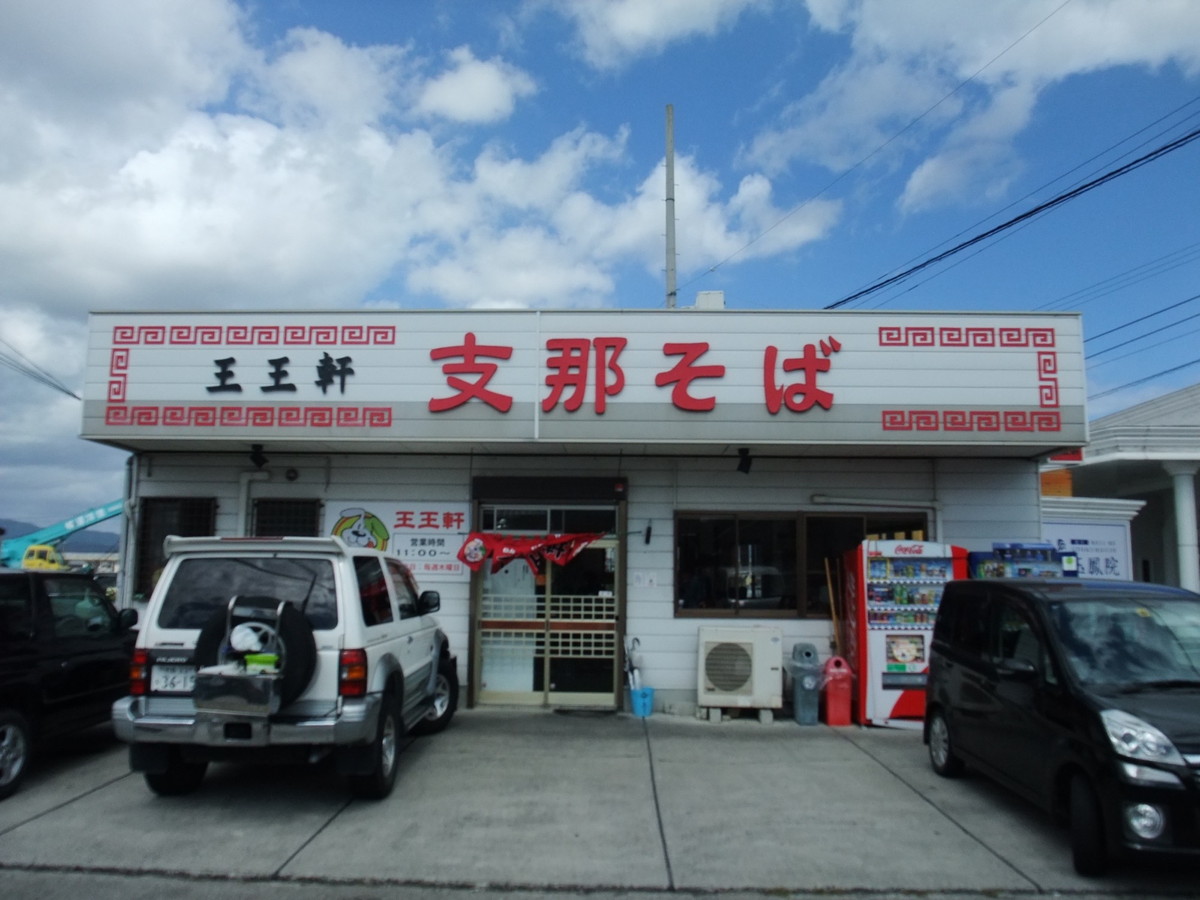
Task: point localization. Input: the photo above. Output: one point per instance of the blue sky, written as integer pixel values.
(311, 154)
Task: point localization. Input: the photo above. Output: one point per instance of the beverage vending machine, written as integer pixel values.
(890, 596)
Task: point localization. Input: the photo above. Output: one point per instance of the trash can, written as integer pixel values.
(806, 683)
(838, 680)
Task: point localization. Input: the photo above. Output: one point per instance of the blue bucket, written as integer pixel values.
(643, 701)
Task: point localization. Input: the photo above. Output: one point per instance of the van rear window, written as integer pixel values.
(202, 586)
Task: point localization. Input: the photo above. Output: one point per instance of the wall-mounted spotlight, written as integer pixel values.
(257, 456)
(744, 460)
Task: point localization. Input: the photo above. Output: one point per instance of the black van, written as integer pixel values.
(1084, 697)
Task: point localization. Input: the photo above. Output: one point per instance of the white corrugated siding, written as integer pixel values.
(981, 501)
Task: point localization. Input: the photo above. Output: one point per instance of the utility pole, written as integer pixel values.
(671, 292)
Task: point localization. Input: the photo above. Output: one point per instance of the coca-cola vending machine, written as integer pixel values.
(890, 596)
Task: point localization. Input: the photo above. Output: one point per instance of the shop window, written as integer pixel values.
(273, 518)
(161, 516)
(742, 565)
(765, 565)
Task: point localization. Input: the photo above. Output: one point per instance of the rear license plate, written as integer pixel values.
(172, 679)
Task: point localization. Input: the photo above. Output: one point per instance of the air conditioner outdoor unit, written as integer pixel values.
(740, 667)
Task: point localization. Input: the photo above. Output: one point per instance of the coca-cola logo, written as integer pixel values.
(909, 550)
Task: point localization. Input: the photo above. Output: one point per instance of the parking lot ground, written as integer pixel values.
(542, 804)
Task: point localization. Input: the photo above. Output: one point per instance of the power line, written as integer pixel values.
(19, 363)
(1045, 186)
(1141, 336)
(1023, 217)
(1125, 279)
(1130, 384)
(1143, 319)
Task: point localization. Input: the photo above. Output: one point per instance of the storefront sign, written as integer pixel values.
(426, 536)
(1103, 550)
(598, 377)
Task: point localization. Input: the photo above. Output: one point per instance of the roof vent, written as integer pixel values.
(710, 300)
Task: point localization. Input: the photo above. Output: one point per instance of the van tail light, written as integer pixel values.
(352, 673)
(139, 673)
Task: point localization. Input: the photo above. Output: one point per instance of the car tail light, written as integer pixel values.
(139, 673)
(352, 673)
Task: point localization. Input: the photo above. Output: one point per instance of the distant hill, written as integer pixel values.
(90, 540)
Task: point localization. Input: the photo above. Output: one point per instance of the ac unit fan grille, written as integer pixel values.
(728, 666)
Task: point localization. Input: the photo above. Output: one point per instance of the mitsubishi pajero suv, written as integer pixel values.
(292, 649)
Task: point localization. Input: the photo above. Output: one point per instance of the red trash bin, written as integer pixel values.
(835, 695)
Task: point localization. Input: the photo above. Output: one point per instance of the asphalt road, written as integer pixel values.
(538, 804)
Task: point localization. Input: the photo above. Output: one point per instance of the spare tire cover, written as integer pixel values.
(298, 659)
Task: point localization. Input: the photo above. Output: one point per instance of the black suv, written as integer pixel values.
(64, 659)
(1083, 696)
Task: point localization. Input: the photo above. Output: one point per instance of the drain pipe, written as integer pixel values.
(243, 504)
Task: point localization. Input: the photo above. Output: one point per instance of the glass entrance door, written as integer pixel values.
(550, 638)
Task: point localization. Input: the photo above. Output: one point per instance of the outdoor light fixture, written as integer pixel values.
(744, 460)
(257, 456)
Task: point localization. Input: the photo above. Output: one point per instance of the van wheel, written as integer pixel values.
(445, 700)
(378, 783)
(16, 747)
(941, 747)
(178, 778)
(1087, 829)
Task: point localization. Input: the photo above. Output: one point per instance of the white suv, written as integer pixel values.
(288, 648)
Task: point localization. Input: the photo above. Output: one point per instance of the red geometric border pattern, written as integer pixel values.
(960, 336)
(252, 335)
(971, 420)
(249, 416)
(118, 367)
(1048, 419)
(241, 336)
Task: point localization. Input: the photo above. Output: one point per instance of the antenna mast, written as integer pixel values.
(671, 292)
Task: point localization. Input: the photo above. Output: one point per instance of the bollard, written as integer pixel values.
(836, 695)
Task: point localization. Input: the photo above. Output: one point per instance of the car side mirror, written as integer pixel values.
(429, 602)
(127, 618)
(1017, 669)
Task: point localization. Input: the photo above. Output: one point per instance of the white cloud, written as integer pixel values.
(473, 90)
(855, 111)
(908, 61)
(566, 256)
(542, 183)
(92, 71)
(612, 32)
(318, 81)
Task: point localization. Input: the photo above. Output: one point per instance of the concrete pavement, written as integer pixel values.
(546, 804)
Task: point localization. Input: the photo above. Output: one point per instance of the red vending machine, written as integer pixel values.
(890, 596)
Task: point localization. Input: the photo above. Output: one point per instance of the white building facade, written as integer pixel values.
(572, 480)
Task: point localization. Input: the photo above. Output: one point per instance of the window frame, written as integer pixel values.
(159, 517)
(274, 509)
(811, 589)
